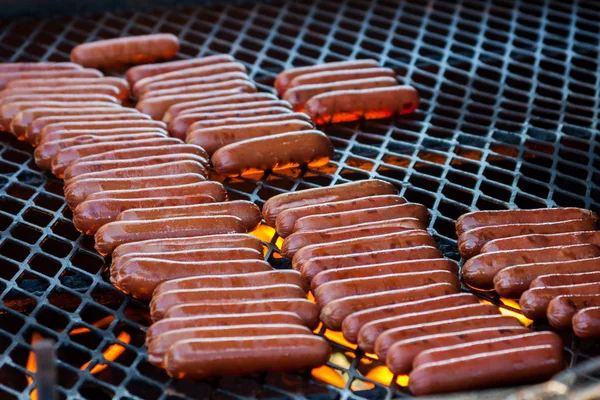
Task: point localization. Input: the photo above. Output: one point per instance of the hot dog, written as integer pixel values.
(534, 302)
(565, 279)
(342, 75)
(281, 151)
(100, 125)
(354, 322)
(36, 66)
(76, 192)
(284, 79)
(366, 244)
(586, 323)
(210, 188)
(90, 215)
(277, 277)
(212, 139)
(113, 234)
(198, 242)
(401, 355)
(84, 90)
(119, 83)
(372, 270)
(68, 155)
(244, 85)
(480, 270)
(299, 95)
(206, 70)
(369, 333)
(7, 77)
(538, 241)
(351, 105)
(140, 276)
(498, 368)
(194, 80)
(286, 219)
(330, 291)
(471, 242)
(298, 240)
(246, 211)
(117, 52)
(159, 346)
(304, 308)
(334, 313)
(563, 308)
(391, 336)
(162, 302)
(64, 98)
(511, 282)
(202, 358)
(318, 264)
(143, 71)
(347, 191)
(348, 218)
(479, 219)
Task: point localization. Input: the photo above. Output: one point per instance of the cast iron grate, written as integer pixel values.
(509, 118)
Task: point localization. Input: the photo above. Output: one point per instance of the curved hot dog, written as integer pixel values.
(534, 302)
(563, 308)
(586, 322)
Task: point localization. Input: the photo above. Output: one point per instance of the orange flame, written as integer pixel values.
(329, 375)
(98, 324)
(510, 313)
(31, 365)
(402, 380)
(110, 354)
(338, 337)
(266, 233)
(381, 374)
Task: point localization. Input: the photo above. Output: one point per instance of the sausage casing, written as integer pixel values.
(586, 323)
(341, 75)
(538, 241)
(210, 188)
(565, 279)
(119, 83)
(7, 77)
(563, 308)
(534, 302)
(233, 102)
(244, 84)
(36, 66)
(194, 80)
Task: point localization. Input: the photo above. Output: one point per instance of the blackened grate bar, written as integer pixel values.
(509, 118)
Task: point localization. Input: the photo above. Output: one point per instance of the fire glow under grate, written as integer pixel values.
(509, 118)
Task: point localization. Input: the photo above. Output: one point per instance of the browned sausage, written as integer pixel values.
(401, 354)
(511, 282)
(315, 265)
(330, 291)
(391, 336)
(205, 70)
(342, 75)
(565, 279)
(133, 159)
(369, 244)
(586, 323)
(537, 241)
(246, 211)
(119, 83)
(77, 191)
(7, 77)
(299, 95)
(333, 314)
(36, 66)
(143, 71)
(354, 322)
(66, 98)
(234, 101)
(156, 107)
(47, 151)
(74, 153)
(351, 105)
(534, 302)
(304, 308)
(89, 216)
(212, 139)
(281, 151)
(347, 191)
(116, 233)
(67, 134)
(159, 346)
(191, 243)
(210, 188)
(85, 90)
(369, 333)
(203, 358)
(471, 242)
(175, 167)
(286, 219)
(285, 78)
(298, 240)
(441, 354)
(111, 53)
(162, 302)
(194, 80)
(277, 277)
(373, 270)
(140, 276)
(563, 308)
(355, 217)
(478, 219)
(245, 85)
(60, 130)
(516, 366)
(480, 270)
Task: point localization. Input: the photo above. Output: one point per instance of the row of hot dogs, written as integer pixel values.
(550, 258)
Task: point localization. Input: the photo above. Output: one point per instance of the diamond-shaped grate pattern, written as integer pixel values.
(509, 118)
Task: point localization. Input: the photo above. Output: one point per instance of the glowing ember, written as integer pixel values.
(381, 374)
(338, 337)
(31, 365)
(110, 354)
(402, 380)
(329, 375)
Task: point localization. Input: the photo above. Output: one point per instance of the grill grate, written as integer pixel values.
(509, 118)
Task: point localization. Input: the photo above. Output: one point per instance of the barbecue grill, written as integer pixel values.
(508, 119)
